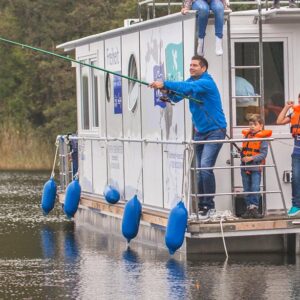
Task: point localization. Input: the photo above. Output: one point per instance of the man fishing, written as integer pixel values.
(209, 123)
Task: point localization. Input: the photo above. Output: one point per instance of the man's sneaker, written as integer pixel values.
(255, 214)
(294, 211)
(205, 214)
(292, 4)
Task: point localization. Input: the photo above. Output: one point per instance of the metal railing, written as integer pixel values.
(151, 5)
(66, 173)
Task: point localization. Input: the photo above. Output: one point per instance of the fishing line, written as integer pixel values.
(67, 58)
(91, 66)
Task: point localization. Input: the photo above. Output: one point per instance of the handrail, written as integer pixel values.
(234, 193)
(153, 4)
(193, 191)
(153, 141)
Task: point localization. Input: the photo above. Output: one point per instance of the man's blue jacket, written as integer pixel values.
(207, 116)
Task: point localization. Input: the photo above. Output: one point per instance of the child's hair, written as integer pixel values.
(255, 118)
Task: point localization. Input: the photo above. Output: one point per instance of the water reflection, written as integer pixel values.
(71, 251)
(176, 279)
(48, 242)
(52, 258)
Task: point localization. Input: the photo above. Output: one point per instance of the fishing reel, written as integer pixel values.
(165, 98)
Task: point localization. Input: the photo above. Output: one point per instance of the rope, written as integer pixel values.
(54, 163)
(139, 178)
(223, 238)
(90, 66)
(222, 216)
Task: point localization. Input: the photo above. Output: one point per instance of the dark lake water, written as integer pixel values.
(49, 258)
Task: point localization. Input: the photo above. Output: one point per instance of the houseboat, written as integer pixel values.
(129, 139)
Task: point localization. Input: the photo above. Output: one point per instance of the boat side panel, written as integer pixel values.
(85, 165)
(114, 115)
(132, 118)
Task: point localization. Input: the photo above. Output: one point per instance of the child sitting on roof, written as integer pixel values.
(253, 153)
(203, 7)
(276, 4)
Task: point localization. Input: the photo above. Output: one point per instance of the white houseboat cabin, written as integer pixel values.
(130, 139)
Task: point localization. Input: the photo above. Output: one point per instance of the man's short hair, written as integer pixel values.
(255, 118)
(202, 61)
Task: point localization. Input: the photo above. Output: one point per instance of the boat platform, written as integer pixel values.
(272, 234)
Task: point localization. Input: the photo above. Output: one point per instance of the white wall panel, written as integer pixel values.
(173, 172)
(113, 106)
(162, 57)
(152, 171)
(85, 165)
(116, 165)
(99, 166)
(114, 116)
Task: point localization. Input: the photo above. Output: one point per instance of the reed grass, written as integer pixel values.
(23, 149)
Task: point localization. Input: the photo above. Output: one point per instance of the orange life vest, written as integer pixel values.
(252, 148)
(295, 121)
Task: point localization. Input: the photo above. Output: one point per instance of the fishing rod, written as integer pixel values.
(67, 58)
(92, 66)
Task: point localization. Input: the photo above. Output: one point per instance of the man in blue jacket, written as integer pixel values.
(209, 123)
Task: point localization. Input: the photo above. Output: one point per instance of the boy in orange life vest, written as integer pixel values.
(253, 153)
(294, 119)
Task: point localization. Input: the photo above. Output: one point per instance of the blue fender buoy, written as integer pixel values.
(48, 196)
(176, 227)
(72, 198)
(131, 218)
(111, 194)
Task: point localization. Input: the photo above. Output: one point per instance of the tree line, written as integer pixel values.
(37, 91)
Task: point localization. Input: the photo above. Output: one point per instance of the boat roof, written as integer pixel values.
(282, 15)
(68, 46)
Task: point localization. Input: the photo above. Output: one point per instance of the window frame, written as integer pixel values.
(131, 85)
(268, 39)
(89, 59)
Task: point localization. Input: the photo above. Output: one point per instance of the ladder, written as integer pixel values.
(260, 97)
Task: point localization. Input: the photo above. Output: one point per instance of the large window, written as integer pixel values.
(85, 106)
(107, 87)
(247, 80)
(89, 96)
(95, 99)
(133, 87)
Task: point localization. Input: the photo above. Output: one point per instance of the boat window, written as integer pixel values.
(95, 97)
(107, 87)
(133, 87)
(85, 111)
(247, 81)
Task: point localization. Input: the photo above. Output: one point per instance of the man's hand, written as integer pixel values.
(156, 85)
(184, 10)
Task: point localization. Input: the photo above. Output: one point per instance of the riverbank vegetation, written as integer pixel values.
(37, 91)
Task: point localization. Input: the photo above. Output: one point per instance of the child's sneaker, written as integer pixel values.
(246, 214)
(294, 211)
(219, 48)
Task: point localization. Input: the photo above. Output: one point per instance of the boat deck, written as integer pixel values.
(273, 233)
(270, 224)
